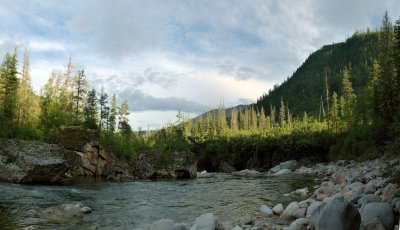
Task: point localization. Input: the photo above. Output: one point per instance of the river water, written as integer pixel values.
(136, 204)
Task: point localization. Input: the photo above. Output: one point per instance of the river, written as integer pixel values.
(136, 204)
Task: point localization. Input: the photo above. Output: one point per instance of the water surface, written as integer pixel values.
(136, 204)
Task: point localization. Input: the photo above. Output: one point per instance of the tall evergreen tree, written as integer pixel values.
(123, 113)
(282, 113)
(386, 84)
(91, 108)
(8, 87)
(112, 120)
(27, 104)
(80, 94)
(234, 119)
(104, 109)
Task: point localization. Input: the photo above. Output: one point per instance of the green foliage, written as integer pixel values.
(321, 74)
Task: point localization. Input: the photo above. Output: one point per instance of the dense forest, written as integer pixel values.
(343, 102)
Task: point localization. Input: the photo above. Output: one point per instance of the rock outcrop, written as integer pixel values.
(155, 164)
(32, 162)
(82, 149)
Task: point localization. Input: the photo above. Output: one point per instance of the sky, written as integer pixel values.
(180, 55)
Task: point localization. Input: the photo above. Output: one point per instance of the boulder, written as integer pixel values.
(313, 206)
(32, 162)
(300, 213)
(298, 224)
(278, 209)
(302, 192)
(63, 212)
(369, 198)
(206, 221)
(265, 210)
(247, 172)
(375, 224)
(324, 191)
(283, 171)
(275, 169)
(382, 211)
(389, 193)
(291, 164)
(338, 214)
(77, 138)
(153, 164)
(287, 214)
(225, 167)
(163, 224)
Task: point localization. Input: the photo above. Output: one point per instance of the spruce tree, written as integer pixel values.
(112, 119)
(91, 108)
(8, 87)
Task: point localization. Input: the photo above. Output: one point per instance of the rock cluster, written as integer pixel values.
(350, 196)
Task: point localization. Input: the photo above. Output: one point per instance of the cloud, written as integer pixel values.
(139, 101)
(43, 45)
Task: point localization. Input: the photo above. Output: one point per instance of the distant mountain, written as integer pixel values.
(303, 90)
(228, 111)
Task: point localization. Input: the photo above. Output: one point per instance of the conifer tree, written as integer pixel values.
(80, 94)
(27, 105)
(91, 108)
(261, 119)
(123, 112)
(282, 113)
(8, 87)
(234, 119)
(112, 120)
(386, 89)
(104, 109)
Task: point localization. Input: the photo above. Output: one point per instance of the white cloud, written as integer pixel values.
(43, 45)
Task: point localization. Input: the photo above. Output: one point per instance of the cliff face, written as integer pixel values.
(83, 152)
(77, 153)
(32, 162)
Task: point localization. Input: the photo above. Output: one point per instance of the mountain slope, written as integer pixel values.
(303, 90)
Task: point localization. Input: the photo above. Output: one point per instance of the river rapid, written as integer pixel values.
(136, 204)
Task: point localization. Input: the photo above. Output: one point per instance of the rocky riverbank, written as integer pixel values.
(76, 152)
(348, 195)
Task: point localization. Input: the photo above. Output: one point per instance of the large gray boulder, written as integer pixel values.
(338, 214)
(369, 198)
(32, 162)
(288, 213)
(206, 221)
(381, 211)
(389, 193)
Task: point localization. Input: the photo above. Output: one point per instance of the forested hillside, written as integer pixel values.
(303, 91)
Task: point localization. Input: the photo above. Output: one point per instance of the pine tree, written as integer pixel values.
(123, 113)
(91, 108)
(396, 61)
(112, 119)
(27, 104)
(349, 98)
(334, 113)
(386, 84)
(261, 119)
(234, 120)
(104, 109)
(8, 87)
(80, 94)
(221, 120)
(282, 113)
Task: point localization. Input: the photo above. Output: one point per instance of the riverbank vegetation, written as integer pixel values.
(343, 102)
